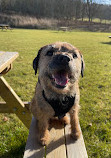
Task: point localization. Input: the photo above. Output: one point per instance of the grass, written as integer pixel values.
(96, 20)
(95, 87)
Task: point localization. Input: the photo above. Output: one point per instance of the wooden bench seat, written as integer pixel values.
(61, 145)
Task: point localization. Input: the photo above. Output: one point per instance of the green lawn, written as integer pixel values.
(95, 87)
(96, 20)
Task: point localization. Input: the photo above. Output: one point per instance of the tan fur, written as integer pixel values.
(41, 110)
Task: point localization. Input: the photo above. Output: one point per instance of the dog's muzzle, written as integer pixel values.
(60, 70)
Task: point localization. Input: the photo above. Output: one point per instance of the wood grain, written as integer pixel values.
(1, 53)
(33, 148)
(6, 58)
(4, 108)
(56, 148)
(14, 103)
(61, 145)
(75, 149)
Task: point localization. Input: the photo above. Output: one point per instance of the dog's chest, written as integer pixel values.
(61, 107)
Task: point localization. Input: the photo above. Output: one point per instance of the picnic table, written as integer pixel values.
(5, 27)
(13, 103)
(63, 28)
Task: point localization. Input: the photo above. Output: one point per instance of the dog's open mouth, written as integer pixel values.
(60, 79)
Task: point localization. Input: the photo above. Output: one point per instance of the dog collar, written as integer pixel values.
(61, 107)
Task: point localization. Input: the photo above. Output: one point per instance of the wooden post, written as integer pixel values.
(13, 103)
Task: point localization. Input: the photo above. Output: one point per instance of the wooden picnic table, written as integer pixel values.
(5, 26)
(63, 28)
(13, 103)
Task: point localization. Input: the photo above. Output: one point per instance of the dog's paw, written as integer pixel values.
(65, 120)
(45, 139)
(76, 135)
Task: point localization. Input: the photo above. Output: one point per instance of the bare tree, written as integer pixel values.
(83, 10)
(92, 9)
(77, 9)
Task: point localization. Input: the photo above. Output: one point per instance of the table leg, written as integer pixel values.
(14, 103)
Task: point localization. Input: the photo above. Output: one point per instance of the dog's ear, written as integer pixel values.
(82, 65)
(36, 61)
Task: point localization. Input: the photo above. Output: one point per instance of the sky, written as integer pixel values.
(104, 1)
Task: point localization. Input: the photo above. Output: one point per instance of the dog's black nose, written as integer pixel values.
(62, 59)
(59, 62)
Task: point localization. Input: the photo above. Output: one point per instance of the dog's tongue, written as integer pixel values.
(61, 78)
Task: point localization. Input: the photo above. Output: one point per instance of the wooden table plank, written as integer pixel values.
(75, 149)
(33, 148)
(1, 53)
(3, 25)
(6, 58)
(56, 148)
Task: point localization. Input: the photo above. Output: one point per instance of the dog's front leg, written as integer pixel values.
(43, 125)
(74, 120)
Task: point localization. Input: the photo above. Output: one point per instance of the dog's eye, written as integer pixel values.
(74, 56)
(49, 53)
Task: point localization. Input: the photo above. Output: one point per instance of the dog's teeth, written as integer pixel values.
(53, 76)
(56, 82)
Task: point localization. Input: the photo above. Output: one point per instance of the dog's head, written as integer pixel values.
(60, 65)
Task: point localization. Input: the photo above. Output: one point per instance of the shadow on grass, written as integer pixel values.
(106, 43)
(60, 31)
(16, 152)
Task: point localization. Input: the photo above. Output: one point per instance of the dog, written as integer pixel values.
(57, 91)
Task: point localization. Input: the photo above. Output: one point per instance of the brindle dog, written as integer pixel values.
(57, 91)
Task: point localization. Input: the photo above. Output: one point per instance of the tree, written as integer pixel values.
(83, 10)
(77, 8)
(92, 9)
